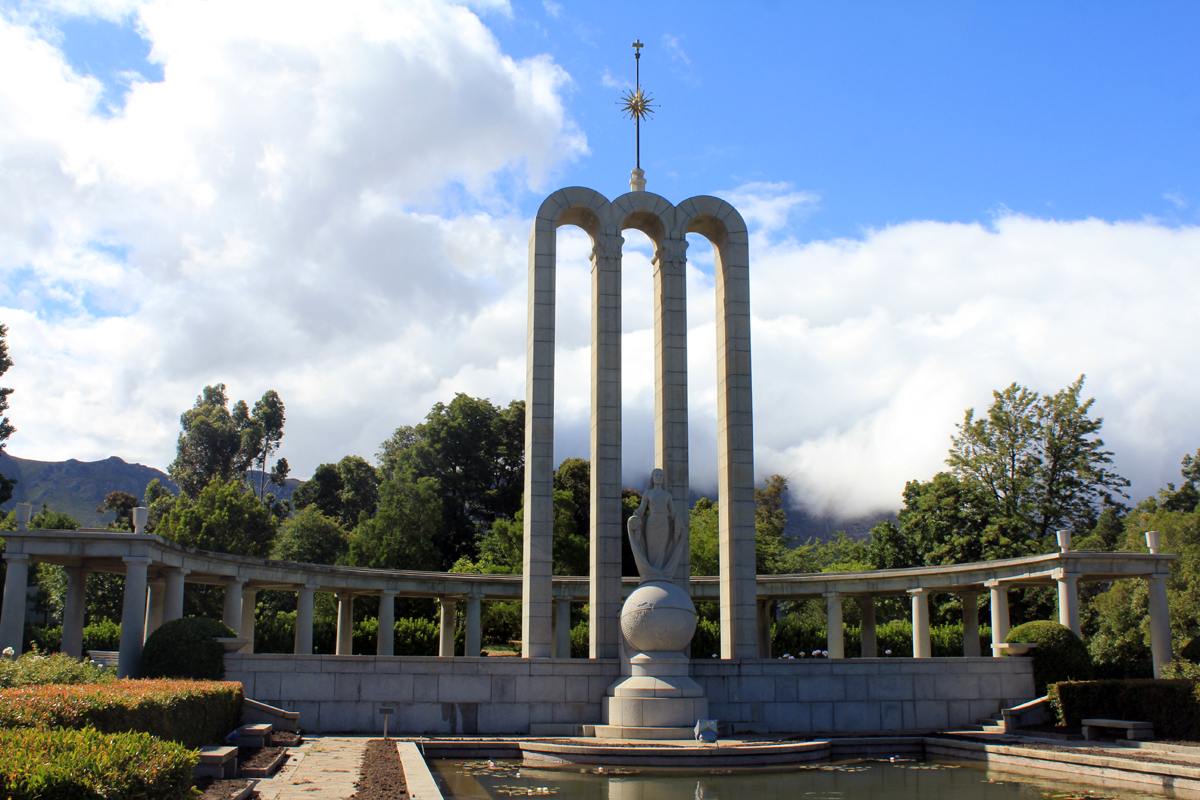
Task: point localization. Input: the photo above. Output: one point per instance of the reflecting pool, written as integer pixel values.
(902, 779)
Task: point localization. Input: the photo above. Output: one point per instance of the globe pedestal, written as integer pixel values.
(659, 699)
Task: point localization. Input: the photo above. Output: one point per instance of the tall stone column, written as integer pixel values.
(920, 623)
(1160, 624)
(537, 554)
(16, 598)
(970, 616)
(304, 619)
(385, 638)
(866, 610)
(1068, 599)
(562, 627)
(671, 393)
(249, 601)
(133, 617)
(173, 600)
(835, 632)
(604, 593)
(999, 605)
(473, 626)
(155, 602)
(447, 621)
(232, 613)
(345, 624)
(735, 438)
(764, 628)
(74, 611)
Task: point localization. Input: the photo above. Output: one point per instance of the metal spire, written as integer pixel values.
(637, 105)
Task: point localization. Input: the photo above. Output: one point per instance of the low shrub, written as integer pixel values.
(193, 713)
(58, 764)
(1060, 655)
(35, 669)
(416, 637)
(46, 638)
(1181, 668)
(581, 639)
(103, 634)
(1172, 705)
(794, 635)
(184, 648)
(707, 639)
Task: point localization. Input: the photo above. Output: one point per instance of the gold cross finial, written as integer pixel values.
(637, 48)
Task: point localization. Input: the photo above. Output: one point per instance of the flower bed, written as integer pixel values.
(193, 713)
(34, 668)
(38, 764)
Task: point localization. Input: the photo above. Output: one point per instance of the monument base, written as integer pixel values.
(659, 700)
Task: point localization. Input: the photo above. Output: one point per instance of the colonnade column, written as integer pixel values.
(385, 638)
(866, 610)
(970, 618)
(446, 623)
(133, 616)
(1160, 624)
(173, 593)
(249, 601)
(562, 626)
(16, 597)
(154, 605)
(764, 628)
(473, 640)
(232, 613)
(73, 611)
(920, 623)
(304, 619)
(835, 634)
(1068, 599)
(604, 592)
(345, 624)
(999, 605)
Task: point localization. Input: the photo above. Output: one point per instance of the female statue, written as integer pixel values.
(653, 534)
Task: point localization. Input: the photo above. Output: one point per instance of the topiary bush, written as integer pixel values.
(1060, 655)
(103, 634)
(184, 648)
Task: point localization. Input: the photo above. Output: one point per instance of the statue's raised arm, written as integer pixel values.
(655, 538)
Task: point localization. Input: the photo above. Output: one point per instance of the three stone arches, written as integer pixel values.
(667, 226)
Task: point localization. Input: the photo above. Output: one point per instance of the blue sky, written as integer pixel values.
(334, 202)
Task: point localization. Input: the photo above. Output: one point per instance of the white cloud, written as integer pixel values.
(675, 49)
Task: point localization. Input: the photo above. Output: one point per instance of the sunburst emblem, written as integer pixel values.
(636, 104)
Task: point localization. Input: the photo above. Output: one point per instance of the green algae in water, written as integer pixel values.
(901, 779)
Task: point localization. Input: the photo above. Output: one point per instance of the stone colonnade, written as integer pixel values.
(667, 226)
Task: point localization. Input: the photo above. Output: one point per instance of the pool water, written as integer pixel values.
(847, 780)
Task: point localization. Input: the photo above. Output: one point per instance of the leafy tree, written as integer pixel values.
(947, 520)
(347, 491)
(1038, 460)
(476, 453)
(6, 427)
(310, 537)
(1187, 496)
(773, 556)
(224, 444)
(401, 534)
(158, 500)
(225, 518)
(123, 504)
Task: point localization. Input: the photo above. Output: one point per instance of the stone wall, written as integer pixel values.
(507, 695)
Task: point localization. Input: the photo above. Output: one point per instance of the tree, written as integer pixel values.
(219, 443)
(225, 518)
(347, 491)
(1038, 460)
(773, 555)
(6, 427)
(401, 533)
(310, 537)
(123, 503)
(476, 453)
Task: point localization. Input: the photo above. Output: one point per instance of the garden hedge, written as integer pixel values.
(185, 648)
(1060, 655)
(38, 764)
(33, 669)
(1172, 705)
(192, 713)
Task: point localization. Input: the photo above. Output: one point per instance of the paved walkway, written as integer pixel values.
(323, 769)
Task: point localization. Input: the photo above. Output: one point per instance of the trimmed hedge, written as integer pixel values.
(1060, 655)
(799, 637)
(70, 765)
(184, 648)
(1172, 705)
(193, 713)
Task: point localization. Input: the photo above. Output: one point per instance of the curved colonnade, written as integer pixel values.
(156, 572)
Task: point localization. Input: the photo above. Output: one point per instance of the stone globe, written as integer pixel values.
(658, 616)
